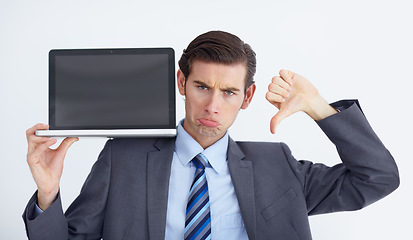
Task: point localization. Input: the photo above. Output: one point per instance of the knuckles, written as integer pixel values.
(286, 72)
(273, 98)
(271, 86)
(267, 96)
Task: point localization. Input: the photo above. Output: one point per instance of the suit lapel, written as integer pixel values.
(243, 179)
(158, 173)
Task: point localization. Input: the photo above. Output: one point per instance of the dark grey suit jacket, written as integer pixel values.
(125, 196)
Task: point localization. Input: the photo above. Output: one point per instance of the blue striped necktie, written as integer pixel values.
(198, 216)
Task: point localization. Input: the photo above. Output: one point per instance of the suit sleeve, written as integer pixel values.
(84, 218)
(51, 224)
(367, 173)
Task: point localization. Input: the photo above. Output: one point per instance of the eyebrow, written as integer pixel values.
(231, 89)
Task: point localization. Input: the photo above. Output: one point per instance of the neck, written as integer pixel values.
(204, 140)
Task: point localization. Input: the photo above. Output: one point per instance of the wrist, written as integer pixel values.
(318, 109)
(44, 200)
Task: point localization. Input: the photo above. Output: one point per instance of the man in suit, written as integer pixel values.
(143, 188)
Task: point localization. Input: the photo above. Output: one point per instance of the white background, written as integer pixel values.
(348, 49)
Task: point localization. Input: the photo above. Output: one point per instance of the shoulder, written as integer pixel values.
(119, 142)
(263, 151)
(136, 145)
(261, 147)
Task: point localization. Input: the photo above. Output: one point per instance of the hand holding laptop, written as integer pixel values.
(46, 164)
(100, 92)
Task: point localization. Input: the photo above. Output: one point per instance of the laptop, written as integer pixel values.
(111, 93)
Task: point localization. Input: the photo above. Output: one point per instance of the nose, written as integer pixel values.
(213, 104)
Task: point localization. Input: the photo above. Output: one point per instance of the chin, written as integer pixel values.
(209, 132)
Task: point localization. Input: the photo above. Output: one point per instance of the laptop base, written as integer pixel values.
(113, 133)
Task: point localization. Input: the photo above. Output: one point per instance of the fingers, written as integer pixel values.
(33, 156)
(275, 121)
(34, 140)
(66, 143)
(274, 98)
(278, 90)
(274, 124)
(46, 145)
(287, 75)
(282, 82)
(39, 126)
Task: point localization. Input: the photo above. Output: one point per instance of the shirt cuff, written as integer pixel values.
(344, 104)
(37, 211)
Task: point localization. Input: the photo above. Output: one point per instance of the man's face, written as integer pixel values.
(214, 95)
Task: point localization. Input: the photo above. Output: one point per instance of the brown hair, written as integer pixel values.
(219, 47)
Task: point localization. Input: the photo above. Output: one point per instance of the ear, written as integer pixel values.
(180, 78)
(248, 96)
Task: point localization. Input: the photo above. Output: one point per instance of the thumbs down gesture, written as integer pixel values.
(291, 93)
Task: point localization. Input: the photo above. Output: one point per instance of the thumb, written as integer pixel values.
(275, 121)
(66, 143)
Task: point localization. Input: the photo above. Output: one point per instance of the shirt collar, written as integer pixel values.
(187, 148)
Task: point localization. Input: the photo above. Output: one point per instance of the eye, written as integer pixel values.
(229, 93)
(202, 87)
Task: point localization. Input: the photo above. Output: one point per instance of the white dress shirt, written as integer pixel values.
(226, 219)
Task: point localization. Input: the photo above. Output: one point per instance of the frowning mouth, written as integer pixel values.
(209, 123)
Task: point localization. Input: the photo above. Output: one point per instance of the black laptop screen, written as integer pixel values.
(112, 89)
